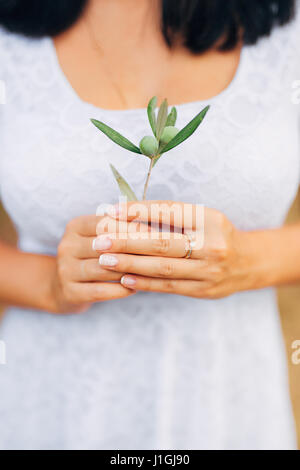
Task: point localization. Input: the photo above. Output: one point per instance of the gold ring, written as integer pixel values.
(189, 246)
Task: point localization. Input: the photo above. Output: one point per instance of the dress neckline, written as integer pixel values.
(77, 99)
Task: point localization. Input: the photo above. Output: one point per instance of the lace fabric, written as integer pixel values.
(152, 371)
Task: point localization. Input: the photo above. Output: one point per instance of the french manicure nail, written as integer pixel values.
(108, 260)
(128, 281)
(100, 244)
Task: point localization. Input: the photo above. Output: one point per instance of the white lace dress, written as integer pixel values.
(152, 371)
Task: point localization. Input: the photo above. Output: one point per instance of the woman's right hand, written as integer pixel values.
(79, 280)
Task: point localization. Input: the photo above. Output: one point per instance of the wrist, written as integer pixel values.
(260, 259)
(48, 293)
(55, 299)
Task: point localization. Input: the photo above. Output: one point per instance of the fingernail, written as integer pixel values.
(100, 244)
(128, 281)
(114, 211)
(102, 210)
(108, 260)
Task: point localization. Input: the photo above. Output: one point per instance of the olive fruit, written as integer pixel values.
(149, 146)
(168, 134)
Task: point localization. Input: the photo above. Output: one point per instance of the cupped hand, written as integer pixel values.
(79, 281)
(154, 240)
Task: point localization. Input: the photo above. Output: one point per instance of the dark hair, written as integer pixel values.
(200, 24)
(203, 23)
(38, 18)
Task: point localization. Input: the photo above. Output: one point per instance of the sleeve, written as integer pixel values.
(295, 49)
(4, 68)
(296, 40)
(2, 95)
(291, 43)
(4, 64)
(296, 78)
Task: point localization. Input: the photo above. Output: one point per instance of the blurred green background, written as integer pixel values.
(289, 301)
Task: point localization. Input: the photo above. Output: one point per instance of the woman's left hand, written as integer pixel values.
(219, 264)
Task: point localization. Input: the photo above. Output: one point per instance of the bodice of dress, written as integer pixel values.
(152, 371)
(244, 159)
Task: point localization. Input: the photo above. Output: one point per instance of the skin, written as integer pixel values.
(224, 261)
(133, 54)
(133, 64)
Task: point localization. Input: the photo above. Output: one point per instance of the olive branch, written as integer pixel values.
(165, 138)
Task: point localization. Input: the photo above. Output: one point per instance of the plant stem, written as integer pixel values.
(148, 178)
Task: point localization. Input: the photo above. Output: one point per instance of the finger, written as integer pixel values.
(196, 289)
(166, 244)
(110, 225)
(168, 213)
(81, 246)
(98, 292)
(85, 225)
(89, 270)
(149, 266)
(155, 244)
(84, 247)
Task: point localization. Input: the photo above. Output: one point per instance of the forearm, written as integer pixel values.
(25, 279)
(274, 257)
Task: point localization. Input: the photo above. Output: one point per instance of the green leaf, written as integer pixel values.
(183, 135)
(186, 132)
(116, 137)
(172, 118)
(123, 185)
(161, 119)
(151, 114)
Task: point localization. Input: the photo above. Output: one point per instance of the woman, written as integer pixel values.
(204, 367)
